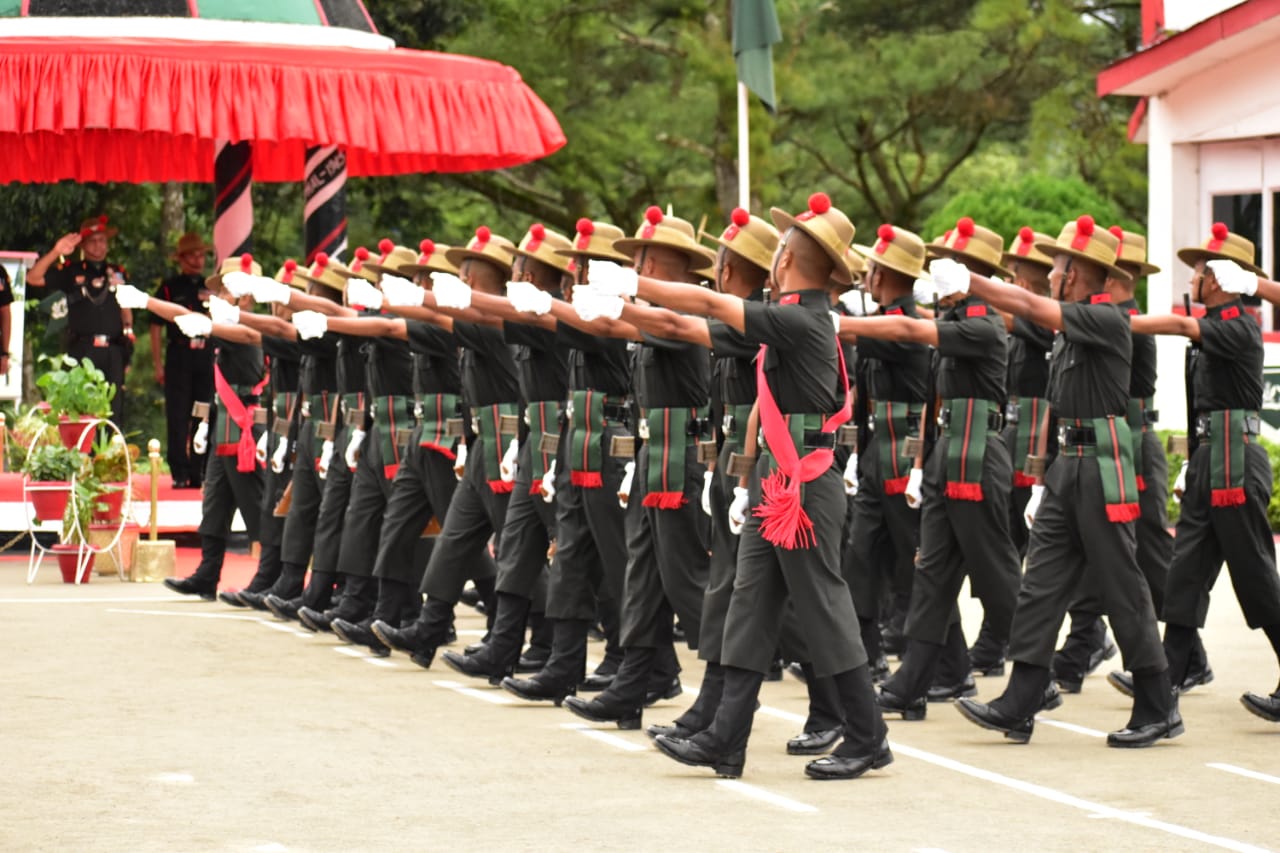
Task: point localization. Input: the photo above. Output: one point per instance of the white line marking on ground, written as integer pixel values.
(470, 632)
(1076, 802)
(781, 714)
(491, 696)
(271, 847)
(233, 616)
(385, 664)
(1071, 727)
(604, 737)
(348, 651)
(152, 600)
(1241, 771)
(174, 778)
(766, 796)
(283, 627)
(928, 850)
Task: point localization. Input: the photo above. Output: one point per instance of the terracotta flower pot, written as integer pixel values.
(49, 498)
(114, 501)
(68, 558)
(72, 431)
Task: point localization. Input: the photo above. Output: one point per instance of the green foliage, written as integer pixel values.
(76, 388)
(78, 515)
(111, 459)
(1273, 456)
(53, 463)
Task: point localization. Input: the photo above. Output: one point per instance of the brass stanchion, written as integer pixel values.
(154, 559)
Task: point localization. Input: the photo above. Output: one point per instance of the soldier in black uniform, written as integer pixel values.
(1228, 477)
(184, 366)
(6, 320)
(1084, 523)
(97, 327)
(964, 512)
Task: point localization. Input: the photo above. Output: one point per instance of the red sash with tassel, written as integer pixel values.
(246, 448)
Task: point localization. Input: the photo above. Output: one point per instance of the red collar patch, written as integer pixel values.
(894, 310)
(975, 311)
(1099, 298)
(1229, 313)
(789, 299)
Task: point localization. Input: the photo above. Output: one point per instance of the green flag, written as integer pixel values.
(755, 31)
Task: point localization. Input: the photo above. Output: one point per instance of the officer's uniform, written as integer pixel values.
(6, 298)
(188, 376)
(95, 329)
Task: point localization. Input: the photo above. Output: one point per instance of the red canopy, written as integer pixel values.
(151, 109)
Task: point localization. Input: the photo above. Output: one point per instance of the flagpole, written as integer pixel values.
(744, 149)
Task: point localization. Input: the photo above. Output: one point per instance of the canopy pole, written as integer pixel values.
(324, 213)
(232, 199)
(744, 149)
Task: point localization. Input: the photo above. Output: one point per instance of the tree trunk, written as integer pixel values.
(173, 215)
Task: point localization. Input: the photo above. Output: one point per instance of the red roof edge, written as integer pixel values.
(1150, 60)
(1138, 117)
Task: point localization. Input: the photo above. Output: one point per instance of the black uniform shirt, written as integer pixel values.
(1228, 371)
(1089, 373)
(734, 368)
(894, 371)
(542, 361)
(389, 367)
(351, 364)
(6, 288)
(184, 290)
(90, 287)
(435, 354)
(601, 364)
(1029, 349)
(285, 364)
(241, 364)
(1142, 366)
(319, 364)
(972, 352)
(801, 364)
(672, 374)
(488, 372)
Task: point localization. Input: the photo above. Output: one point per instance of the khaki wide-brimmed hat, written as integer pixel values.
(898, 249)
(969, 241)
(1084, 240)
(97, 226)
(244, 263)
(327, 272)
(1133, 253)
(857, 266)
(359, 266)
(543, 244)
(190, 242)
(749, 237)
(595, 239)
(1024, 251)
(430, 258)
(286, 275)
(1222, 245)
(669, 232)
(485, 246)
(827, 225)
(389, 262)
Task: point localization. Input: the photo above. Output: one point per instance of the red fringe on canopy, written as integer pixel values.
(665, 500)
(446, 452)
(964, 491)
(1227, 497)
(501, 487)
(1120, 513)
(586, 479)
(151, 109)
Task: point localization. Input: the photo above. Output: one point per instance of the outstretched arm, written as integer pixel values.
(1267, 289)
(889, 329)
(1040, 310)
(299, 301)
(236, 334)
(473, 314)
(268, 324)
(601, 328)
(426, 315)
(692, 299)
(370, 327)
(488, 307)
(1166, 324)
(667, 324)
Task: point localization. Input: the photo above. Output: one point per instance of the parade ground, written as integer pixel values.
(132, 719)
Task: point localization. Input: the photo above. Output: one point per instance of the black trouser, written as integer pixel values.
(329, 528)
(882, 538)
(366, 508)
(270, 524)
(527, 531)
(112, 362)
(299, 533)
(423, 489)
(1073, 539)
(225, 491)
(188, 378)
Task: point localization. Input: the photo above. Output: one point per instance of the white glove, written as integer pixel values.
(1233, 278)
(1033, 504)
(613, 279)
(353, 448)
(858, 303)
(923, 292)
(131, 297)
(950, 277)
(460, 462)
(278, 458)
(549, 484)
(326, 456)
(528, 299)
(450, 291)
(260, 449)
(913, 494)
(624, 488)
(238, 284)
(362, 294)
(310, 324)
(851, 475)
(507, 467)
(707, 477)
(738, 510)
(194, 325)
(401, 292)
(222, 311)
(200, 441)
(269, 290)
(592, 304)
(1180, 483)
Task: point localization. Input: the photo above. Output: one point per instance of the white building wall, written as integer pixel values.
(1184, 14)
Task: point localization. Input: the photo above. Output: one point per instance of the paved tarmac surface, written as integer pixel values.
(132, 719)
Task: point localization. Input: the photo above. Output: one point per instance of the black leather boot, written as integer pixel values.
(560, 677)
(488, 589)
(1013, 713)
(421, 639)
(541, 635)
(1155, 713)
(1086, 647)
(703, 709)
(497, 660)
(865, 745)
(622, 702)
(905, 692)
(723, 745)
(953, 675)
(988, 651)
(825, 723)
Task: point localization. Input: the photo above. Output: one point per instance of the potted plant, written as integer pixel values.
(49, 469)
(77, 517)
(77, 392)
(112, 459)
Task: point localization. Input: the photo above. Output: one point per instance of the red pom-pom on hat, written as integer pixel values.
(740, 217)
(483, 234)
(537, 231)
(362, 254)
(246, 261)
(102, 220)
(819, 203)
(1085, 225)
(427, 247)
(964, 226)
(1117, 231)
(1220, 231)
(385, 245)
(653, 215)
(290, 265)
(885, 232)
(586, 227)
(322, 260)
(1025, 234)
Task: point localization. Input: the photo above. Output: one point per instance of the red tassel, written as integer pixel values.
(389, 471)
(964, 491)
(1022, 481)
(896, 486)
(535, 489)
(227, 450)
(1142, 482)
(586, 479)
(441, 449)
(783, 521)
(1227, 497)
(1120, 513)
(665, 500)
(501, 487)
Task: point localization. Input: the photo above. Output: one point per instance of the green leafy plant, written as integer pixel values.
(76, 388)
(78, 516)
(53, 463)
(111, 459)
(26, 429)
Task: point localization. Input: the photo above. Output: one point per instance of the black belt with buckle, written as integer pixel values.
(619, 412)
(1012, 413)
(816, 438)
(698, 428)
(1252, 425)
(1070, 436)
(995, 420)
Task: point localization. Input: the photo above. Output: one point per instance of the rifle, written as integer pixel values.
(1189, 370)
